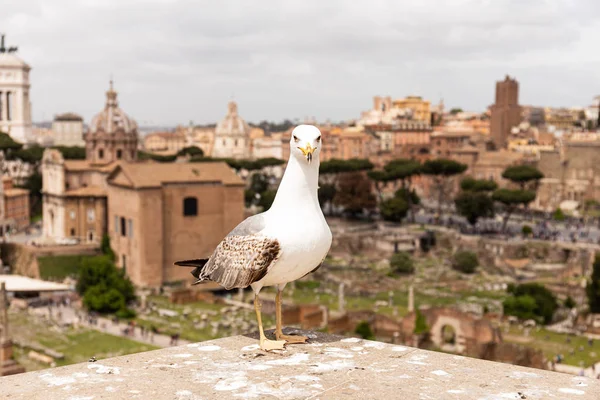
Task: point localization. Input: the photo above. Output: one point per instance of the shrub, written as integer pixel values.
(558, 215)
(526, 230)
(106, 249)
(394, 209)
(402, 263)
(104, 288)
(364, 330)
(570, 303)
(465, 262)
(544, 302)
(125, 313)
(420, 324)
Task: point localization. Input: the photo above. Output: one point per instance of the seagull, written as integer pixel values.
(280, 245)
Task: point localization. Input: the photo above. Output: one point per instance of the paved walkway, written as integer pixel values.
(69, 316)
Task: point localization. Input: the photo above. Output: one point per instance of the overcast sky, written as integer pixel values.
(176, 61)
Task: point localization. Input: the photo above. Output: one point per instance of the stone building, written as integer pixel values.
(421, 109)
(67, 130)
(164, 212)
(165, 143)
(74, 198)
(506, 112)
(232, 136)
(112, 134)
(15, 107)
(16, 207)
(571, 172)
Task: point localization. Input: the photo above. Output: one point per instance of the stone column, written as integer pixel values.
(8, 366)
(341, 300)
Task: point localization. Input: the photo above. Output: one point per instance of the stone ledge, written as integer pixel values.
(330, 367)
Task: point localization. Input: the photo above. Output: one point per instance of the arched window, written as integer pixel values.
(100, 153)
(119, 154)
(190, 207)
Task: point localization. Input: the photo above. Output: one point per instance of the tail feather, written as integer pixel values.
(198, 264)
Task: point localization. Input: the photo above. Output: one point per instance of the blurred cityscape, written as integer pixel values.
(467, 232)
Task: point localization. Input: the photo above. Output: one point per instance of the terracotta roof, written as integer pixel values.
(144, 175)
(85, 165)
(87, 191)
(14, 192)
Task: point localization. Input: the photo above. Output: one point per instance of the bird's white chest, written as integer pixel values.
(304, 243)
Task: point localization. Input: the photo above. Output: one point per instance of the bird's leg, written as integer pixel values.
(265, 343)
(278, 329)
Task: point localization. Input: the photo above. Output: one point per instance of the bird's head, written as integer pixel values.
(305, 143)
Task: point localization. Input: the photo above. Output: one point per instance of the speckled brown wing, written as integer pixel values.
(240, 260)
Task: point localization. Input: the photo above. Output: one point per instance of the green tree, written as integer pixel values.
(465, 262)
(473, 206)
(72, 152)
(355, 193)
(326, 194)
(527, 178)
(266, 199)
(523, 175)
(106, 249)
(402, 170)
(394, 209)
(364, 330)
(455, 111)
(558, 215)
(526, 230)
(593, 287)
(570, 303)
(522, 307)
(477, 185)
(545, 302)
(442, 171)
(402, 263)
(420, 324)
(97, 282)
(511, 199)
(192, 151)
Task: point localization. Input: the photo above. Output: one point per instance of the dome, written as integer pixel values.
(112, 118)
(232, 124)
(11, 60)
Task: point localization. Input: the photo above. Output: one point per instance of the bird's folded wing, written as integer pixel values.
(240, 260)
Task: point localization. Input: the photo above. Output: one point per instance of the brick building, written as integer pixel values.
(16, 207)
(161, 213)
(505, 112)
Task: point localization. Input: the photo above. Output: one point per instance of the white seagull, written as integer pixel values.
(280, 245)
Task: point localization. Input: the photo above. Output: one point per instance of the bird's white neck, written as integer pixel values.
(299, 185)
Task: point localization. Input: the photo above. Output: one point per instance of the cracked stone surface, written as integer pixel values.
(328, 367)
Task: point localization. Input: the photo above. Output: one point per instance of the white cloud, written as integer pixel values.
(175, 61)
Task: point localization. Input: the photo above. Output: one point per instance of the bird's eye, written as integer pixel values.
(296, 139)
(319, 139)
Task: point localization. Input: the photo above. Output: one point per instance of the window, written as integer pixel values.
(224, 142)
(100, 153)
(130, 227)
(235, 143)
(72, 214)
(190, 206)
(123, 227)
(91, 215)
(72, 231)
(123, 261)
(90, 236)
(119, 154)
(116, 224)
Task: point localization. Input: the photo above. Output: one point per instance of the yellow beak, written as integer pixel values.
(307, 151)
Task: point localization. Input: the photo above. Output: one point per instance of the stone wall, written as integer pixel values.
(21, 259)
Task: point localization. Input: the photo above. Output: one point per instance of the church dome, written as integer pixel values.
(232, 124)
(112, 118)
